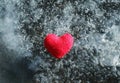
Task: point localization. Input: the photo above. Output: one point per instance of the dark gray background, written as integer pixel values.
(94, 24)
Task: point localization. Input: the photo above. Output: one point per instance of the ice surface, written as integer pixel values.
(95, 25)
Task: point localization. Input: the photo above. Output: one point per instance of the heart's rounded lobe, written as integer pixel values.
(58, 46)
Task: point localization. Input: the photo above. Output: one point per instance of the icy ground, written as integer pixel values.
(94, 58)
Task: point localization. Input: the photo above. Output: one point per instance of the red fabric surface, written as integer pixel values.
(58, 46)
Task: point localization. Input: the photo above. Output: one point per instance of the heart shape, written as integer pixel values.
(58, 46)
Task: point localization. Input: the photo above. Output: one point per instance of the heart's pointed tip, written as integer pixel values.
(57, 57)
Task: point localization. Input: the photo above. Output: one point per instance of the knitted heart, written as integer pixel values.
(58, 46)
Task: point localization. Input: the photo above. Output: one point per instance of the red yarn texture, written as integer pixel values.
(58, 46)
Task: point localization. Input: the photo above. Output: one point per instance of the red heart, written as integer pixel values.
(58, 46)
